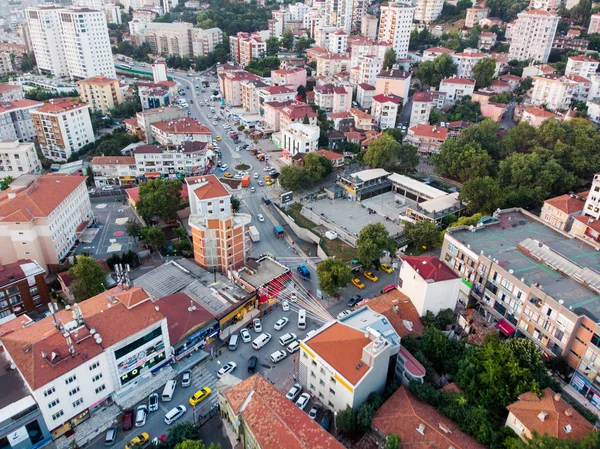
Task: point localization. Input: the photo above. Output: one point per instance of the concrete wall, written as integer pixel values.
(305, 234)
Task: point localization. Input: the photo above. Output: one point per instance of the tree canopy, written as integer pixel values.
(373, 241)
(315, 168)
(431, 73)
(425, 234)
(389, 58)
(159, 197)
(90, 278)
(386, 152)
(333, 274)
(483, 72)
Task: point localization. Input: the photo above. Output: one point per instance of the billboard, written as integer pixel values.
(287, 197)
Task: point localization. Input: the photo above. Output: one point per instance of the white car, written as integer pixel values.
(281, 322)
(140, 416)
(107, 188)
(285, 306)
(293, 297)
(237, 176)
(302, 401)
(278, 356)
(343, 313)
(260, 218)
(257, 325)
(293, 347)
(267, 168)
(246, 338)
(174, 414)
(255, 175)
(228, 368)
(293, 392)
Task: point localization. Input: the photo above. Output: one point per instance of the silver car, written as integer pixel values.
(302, 401)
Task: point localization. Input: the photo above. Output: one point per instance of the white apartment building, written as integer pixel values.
(426, 11)
(338, 42)
(114, 170)
(554, 91)
(532, 35)
(165, 38)
(18, 159)
(205, 41)
(180, 130)
(40, 217)
(455, 88)
(15, 120)
(359, 10)
(299, 138)
(368, 69)
(431, 53)
(594, 24)
(187, 159)
(421, 109)
(395, 27)
(368, 26)
(71, 41)
(338, 13)
(10, 92)
(466, 60)
(582, 65)
(144, 119)
(385, 110)
(323, 34)
(342, 365)
(5, 63)
(360, 46)
(592, 202)
(475, 14)
(73, 372)
(62, 126)
(111, 11)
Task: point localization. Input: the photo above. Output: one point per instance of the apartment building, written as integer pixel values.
(427, 138)
(166, 38)
(475, 14)
(18, 159)
(361, 46)
(532, 35)
(298, 138)
(292, 77)
(250, 98)
(205, 41)
(581, 65)
(456, 88)
(114, 170)
(426, 11)
(101, 93)
(296, 112)
(487, 40)
(368, 26)
(368, 69)
(466, 60)
(330, 64)
(592, 203)
(231, 85)
(15, 120)
(5, 63)
(431, 53)
(393, 81)
(23, 288)
(72, 372)
(582, 89)
(546, 5)
(536, 116)
(594, 24)
(322, 36)
(62, 126)
(385, 110)
(269, 94)
(342, 365)
(218, 234)
(144, 119)
(395, 26)
(338, 42)
(188, 159)
(554, 91)
(46, 40)
(9, 92)
(364, 95)
(338, 13)
(362, 120)
(41, 216)
(421, 109)
(180, 130)
(559, 211)
(245, 47)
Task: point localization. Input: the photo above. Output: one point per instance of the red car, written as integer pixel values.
(128, 419)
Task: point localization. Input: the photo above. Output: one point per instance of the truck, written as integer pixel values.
(254, 234)
(303, 271)
(278, 231)
(245, 180)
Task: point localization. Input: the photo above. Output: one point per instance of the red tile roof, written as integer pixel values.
(458, 80)
(510, 76)
(400, 312)
(180, 320)
(439, 50)
(539, 112)
(113, 160)
(298, 110)
(98, 80)
(566, 203)
(430, 131)
(394, 74)
(184, 125)
(7, 106)
(423, 96)
(8, 88)
(113, 321)
(403, 413)
(12, 272)
(559, 415)
(275, 421)
(330, 155)
(39, 199)
(274, 90)
(430, 268)
(341, 347)
(213, 188)
(343, 114)
(365, 86)
(58, 106)
(389, 98)
(582, 58)
(588, 221)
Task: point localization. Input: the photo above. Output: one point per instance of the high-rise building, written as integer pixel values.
(218, 234)
(338, 13)
(70, 41)
(165, 38)
(100, 92)
(6, 65)
(245, 47)
(532, 35)
(426, 11)
(395, 27)
(62, 127)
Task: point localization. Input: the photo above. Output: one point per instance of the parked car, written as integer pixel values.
(285, 306)
(294, 392)
(358, 283)
(387, 268)
(199, 396)
(343, 313)
(354, 300)
(302, 401)
(138, 441)
(278, 356)
(174, 414)
(281, 322)
(186, 378)
(252, 362)
(246, 338)
(327, 418)
(140, 415)
(293, 347)
(153, 402)
(128, 419)
(256, 325)
(315, 410)
(228, 368)
(371, 276)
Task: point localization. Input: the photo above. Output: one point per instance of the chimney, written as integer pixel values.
(557, 397)
(542, 415)
(569, 412)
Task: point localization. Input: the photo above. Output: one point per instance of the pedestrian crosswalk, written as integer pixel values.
(201, 378)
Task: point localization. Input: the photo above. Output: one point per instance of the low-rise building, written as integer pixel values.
(385, 110)
(364, 95)
(362, 120)
(582, 90)
(23, 288)
(365, 183)
(292, 77)
(101, 93)
(456, 88)
(144, 119)
(437, 209)
(18, 159)
(487, 40)
(536, 116)
(466, 60)
(431, 53)
(475, 14)
(62, 126)
(560, 210)
(330, 64)
(594, 24)
(393, 81)
(152, 97)
(114, 170)
(10, 92)
(427, 138)
(421, 108)
(336, 159)
(512, 80)
(555, 92)
(180, 130)
(593, 111)
(299, 138)
(581, 65)
(6, 65)
(538, 70)
(276, 93)
(586, 228)
(592, 202)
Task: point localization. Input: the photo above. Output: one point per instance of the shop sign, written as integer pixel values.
(17, 436)
(129, 376)
(140, 357)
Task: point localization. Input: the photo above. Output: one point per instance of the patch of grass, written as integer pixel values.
(294, 212)
(412, 250)
(339, 249)
(242, 167)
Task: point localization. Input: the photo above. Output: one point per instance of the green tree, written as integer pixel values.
(483, 72)
(346, 421)
(389, 58)
(395, 133)
(196, 444)
(272, 46)
(465, 109)
(154, 236)
(303, 44)
(180, 432)
(292, 178)
(504, 98)
(333, 274)
(392, 441)
(386, 152)
(373, 241)
(89, 280)
(485, 135)
(462, 161)
(537, 441)
(27, 62)
(159, 197)
(521, 139)
(364, 416)
(431, 73)
(482, 195)
(90, 176)
(235, 204)
(287, 39)
(133, 228)
(425, 234)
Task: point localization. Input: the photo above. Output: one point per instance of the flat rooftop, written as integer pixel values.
(516, 234)
(212, 291)
(262, 272)
(12, 386)
(366, 317)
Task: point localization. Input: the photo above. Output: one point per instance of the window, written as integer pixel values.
(314, 363)
(78, 402)
(332, 391)
(312, 387)
(94, 365)
(71, 379)
(54, 403)
(321, 382)
(333, 381)
(312, 374)
(57, 415)
(49, 391)
(322, 370)
(100, 388)
(97, 377)
(74, 391)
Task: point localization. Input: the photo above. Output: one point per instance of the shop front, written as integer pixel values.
(196, 341)
(586, 389)
(237, 317)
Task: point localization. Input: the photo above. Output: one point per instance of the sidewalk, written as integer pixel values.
(574, 394)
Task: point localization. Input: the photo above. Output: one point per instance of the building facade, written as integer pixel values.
(15, 120)
(299, 138)
(385, 110)
(181, 130)
(101, 93)
(426, 11)
(553, 91)
(395, 26)
(18, 159)
(114, 170)
(23, 288)
(532, 35)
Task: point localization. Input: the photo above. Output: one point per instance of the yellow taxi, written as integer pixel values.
(370, 276)
(218, 137)
(358, 283)
(139, 440)
(270, 182)
(228, 175)
(267, 178)
(199, 396)
(385, 267)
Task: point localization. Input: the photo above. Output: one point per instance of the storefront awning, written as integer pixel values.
(506, 328)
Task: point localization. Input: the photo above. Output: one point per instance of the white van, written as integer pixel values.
(261, 340)
(286, 339)
(174, 414)
(233, 342)
(301, 319)
(168, 391)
